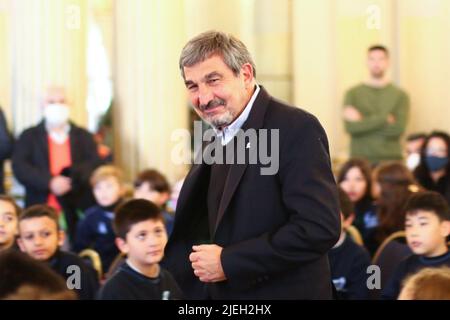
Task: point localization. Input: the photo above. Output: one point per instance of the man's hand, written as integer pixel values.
(206, 263)
(352, 114)
(60, 185)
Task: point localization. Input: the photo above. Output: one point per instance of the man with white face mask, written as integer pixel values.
(54, 160)
(413, 148)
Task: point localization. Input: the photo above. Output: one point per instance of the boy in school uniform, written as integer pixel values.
(95, 230)
(40, 237)
(348, 260)
(9, 217)
(141, 236)
(427, 226)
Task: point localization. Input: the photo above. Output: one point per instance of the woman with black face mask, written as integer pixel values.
(433, 173)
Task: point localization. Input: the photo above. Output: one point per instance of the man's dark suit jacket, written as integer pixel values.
(276, 230)
(31, 166)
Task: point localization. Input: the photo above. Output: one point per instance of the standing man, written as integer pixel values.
(240, 233)
(376, 112)
(55, 159)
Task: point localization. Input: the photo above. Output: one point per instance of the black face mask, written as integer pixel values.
(436, 163)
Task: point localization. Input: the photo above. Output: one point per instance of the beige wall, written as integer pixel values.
(48, 42)
(424, 43)
(150, 94)
(331, 59)
(5, 71)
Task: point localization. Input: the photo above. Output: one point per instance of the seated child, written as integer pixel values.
(24, 278)
(141, 235)
(95, 230)
(427, 225)
(153, 186)
(40, 237)
(9, 216)
(348, 260)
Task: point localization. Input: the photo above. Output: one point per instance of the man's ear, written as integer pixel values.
(122, 245)
(61, 237)
(20, 243)
(247, 73)
(445, 228)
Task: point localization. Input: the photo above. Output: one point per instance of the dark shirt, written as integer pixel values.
(348, 263)
(128, 284)
(409, 266)
(442, 185)
(169, 219)
(366, 218)
(61, 263)
(95, 231)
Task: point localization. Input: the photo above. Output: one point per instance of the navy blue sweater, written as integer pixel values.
(62, 263)
(348, 263)
(128, 284)
(409, 266)
(95, 231)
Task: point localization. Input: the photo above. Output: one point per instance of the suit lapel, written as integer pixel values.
(255, 121)
(191, 182)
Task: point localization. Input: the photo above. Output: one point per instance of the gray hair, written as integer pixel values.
(203, 46)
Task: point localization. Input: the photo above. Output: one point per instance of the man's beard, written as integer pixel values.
(379, 74)
(221, 120)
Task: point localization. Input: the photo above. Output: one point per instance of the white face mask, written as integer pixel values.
(56, 114)
(413, 161)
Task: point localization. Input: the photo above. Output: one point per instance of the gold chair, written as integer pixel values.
(95, 259)
(392, 251)
(117, 262)
(355, 234)
(395, 236)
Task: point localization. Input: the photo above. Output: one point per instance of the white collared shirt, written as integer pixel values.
(228, 133)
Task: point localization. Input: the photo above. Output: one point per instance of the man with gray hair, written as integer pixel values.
(239, 233)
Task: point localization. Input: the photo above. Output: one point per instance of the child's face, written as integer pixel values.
(107, 191)
(426, 234)
(145, 243)
(144, 191)
(39, 237)
(8, 224)
(354, 184)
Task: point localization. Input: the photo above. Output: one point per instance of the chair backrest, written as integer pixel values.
(95, 260)
(355, 234)
(117, 262)
(388, 256)
(399, 235)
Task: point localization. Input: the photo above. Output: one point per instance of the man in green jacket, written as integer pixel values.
(376, 112)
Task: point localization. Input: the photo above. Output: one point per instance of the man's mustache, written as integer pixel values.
(212, 104)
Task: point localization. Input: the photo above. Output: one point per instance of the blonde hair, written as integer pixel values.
(427, 284)
(105, 172)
